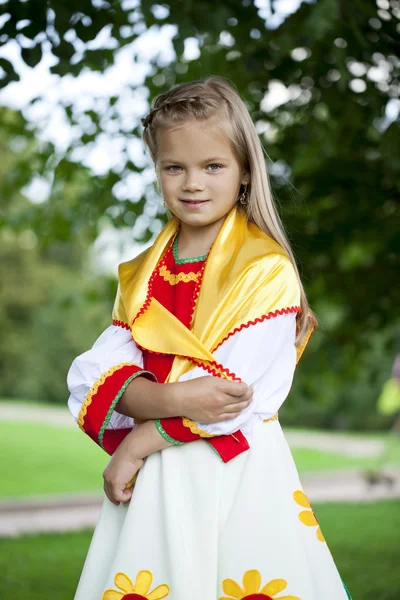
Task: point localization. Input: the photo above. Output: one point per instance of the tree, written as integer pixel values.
(51, 308)
(331, 149)
(49, 315)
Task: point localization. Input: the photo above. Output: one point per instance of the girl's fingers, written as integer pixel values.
(110, 497)
(236, 408)
(228, 417)
(116, 496)
(235, 388)
(240, 398)
(116, 489)
(127, 495)
(132, 481)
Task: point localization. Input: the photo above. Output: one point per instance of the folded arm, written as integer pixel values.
(109, 388)
(264, 357)
(98, 378)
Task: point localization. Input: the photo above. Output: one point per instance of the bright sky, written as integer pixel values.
(124, 80)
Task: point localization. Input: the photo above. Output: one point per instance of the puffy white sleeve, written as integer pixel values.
(264, 356)
(97, 379)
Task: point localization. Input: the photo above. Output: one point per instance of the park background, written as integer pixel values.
(77, 196)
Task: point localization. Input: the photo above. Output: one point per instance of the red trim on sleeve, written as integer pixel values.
(227, 446)
(112, 439)
(101, 400)
(175, 428)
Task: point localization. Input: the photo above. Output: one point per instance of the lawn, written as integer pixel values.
(50, 459)
(46, 459)
(363, 540)
(310, 460)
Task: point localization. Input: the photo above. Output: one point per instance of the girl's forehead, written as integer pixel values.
(195, 138)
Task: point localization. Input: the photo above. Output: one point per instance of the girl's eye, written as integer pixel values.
(178, 167)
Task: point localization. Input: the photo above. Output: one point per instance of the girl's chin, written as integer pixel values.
(196, 220)
(199, 217)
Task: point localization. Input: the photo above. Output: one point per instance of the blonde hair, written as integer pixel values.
(213, 97)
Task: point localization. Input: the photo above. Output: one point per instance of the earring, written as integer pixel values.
(243, 196)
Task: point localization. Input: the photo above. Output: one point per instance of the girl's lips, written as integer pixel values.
(194, 203)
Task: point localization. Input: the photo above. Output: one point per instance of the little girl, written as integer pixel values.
(204, 501)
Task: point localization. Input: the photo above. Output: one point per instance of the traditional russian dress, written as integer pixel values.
(225, 517)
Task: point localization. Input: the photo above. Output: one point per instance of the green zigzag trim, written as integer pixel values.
(114, 402)
(184, 261)
(165, 435)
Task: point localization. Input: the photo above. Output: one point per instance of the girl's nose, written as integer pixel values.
(193, 183)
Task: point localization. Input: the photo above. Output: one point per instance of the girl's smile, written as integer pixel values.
(194, 204)
(199, 176)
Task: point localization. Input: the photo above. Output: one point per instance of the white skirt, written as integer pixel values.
(199, 529)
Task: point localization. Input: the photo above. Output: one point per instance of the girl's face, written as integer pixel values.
(198, 173)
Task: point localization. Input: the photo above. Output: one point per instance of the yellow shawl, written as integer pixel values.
(247, 277)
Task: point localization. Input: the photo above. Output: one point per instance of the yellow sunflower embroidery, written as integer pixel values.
(251, 588)
(140, 589)
(307, 516)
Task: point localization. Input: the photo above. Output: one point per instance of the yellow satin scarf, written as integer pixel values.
(247, 276)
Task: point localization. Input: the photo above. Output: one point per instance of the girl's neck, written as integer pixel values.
(197, 241)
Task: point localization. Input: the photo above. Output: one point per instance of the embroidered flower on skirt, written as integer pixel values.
(307, 516)
(138, 591)
(251, 588)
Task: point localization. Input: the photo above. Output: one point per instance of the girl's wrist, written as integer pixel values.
(175, 399)
(135, 447)
(143, 441)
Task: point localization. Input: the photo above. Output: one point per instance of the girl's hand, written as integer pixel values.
(118, 475)
(212, 399)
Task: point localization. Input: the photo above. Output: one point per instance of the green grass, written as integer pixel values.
(364, 543)
(363, 540)
(42, 567)
(49, 459)
(44, 459)
(308, 459)
(20, 402)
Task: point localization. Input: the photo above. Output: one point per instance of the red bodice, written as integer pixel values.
(176, 286)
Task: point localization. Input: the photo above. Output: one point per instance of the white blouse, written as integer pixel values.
(263, 355)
